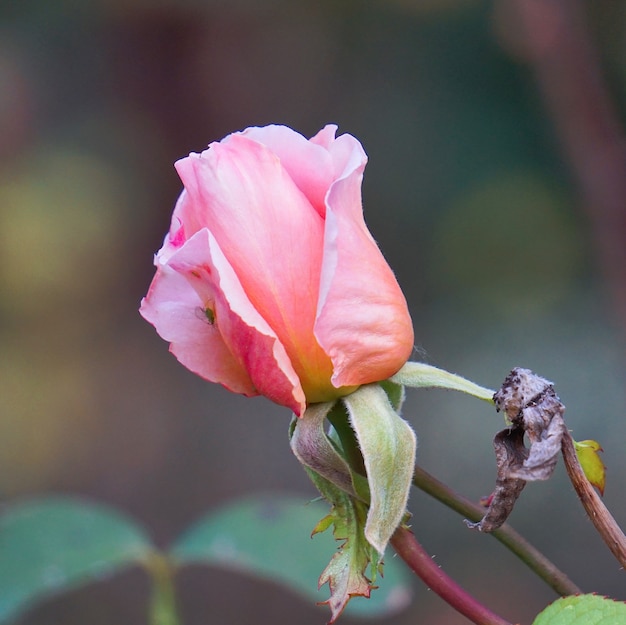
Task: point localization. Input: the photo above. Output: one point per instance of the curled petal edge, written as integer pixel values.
(247, 335)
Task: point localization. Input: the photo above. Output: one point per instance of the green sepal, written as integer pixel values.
(342, 432)
(315, 450)
(420, 375)
(395, 393)
(347, 571)
(323, 525)
(387, 444)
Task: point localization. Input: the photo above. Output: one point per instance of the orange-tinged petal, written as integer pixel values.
(363, 321)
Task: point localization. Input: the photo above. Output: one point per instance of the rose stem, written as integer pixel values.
(516, 543)
(410, 550)
(595, 508)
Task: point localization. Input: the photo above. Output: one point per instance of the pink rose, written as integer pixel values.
(269, 281)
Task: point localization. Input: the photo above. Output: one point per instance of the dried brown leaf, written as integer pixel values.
(534, 410)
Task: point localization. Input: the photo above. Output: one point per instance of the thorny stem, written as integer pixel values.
(517, 544)
(418, 560)
(595, 508)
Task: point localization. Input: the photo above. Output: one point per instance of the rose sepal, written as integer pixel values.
(421, 375)
(369, 453)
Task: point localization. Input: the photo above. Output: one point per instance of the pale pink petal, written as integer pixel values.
(179, 232)
(269, 233)
(363, 322)
(326, 136)
(309, 165)
(174, 308)
(248, 337)
(348, 156)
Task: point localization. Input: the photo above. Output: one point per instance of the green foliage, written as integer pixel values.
(266, 535)
(583, 610)
(48, 546)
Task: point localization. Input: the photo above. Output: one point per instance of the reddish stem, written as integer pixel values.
(410, 550)
(528, 554)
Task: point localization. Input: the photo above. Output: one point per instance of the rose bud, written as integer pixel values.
(269, 281)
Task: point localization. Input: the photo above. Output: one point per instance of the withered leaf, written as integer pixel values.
(510, 453)
(533, 409)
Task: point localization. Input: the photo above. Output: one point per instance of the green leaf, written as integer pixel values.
(346, 573)
(50, 545)
(388, 445)
(589, 458)
(583, 610)
(420, 375)
(269, 536)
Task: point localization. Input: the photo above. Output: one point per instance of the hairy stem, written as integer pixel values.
(528, 554)
(602, 519)
(418, 560)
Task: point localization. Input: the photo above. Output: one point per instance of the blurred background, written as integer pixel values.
(495, 188)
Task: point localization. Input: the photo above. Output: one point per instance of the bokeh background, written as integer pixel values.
(495, 188)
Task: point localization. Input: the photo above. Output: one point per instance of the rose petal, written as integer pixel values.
(247, 335)
(326, 136)
(347, 155)
(175, 310)
(270, 235)
(178, 233)
(309, 165)
(363, 322)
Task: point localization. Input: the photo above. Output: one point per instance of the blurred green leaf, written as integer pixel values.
(269, 536)
(583, 610)
(50, 545)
